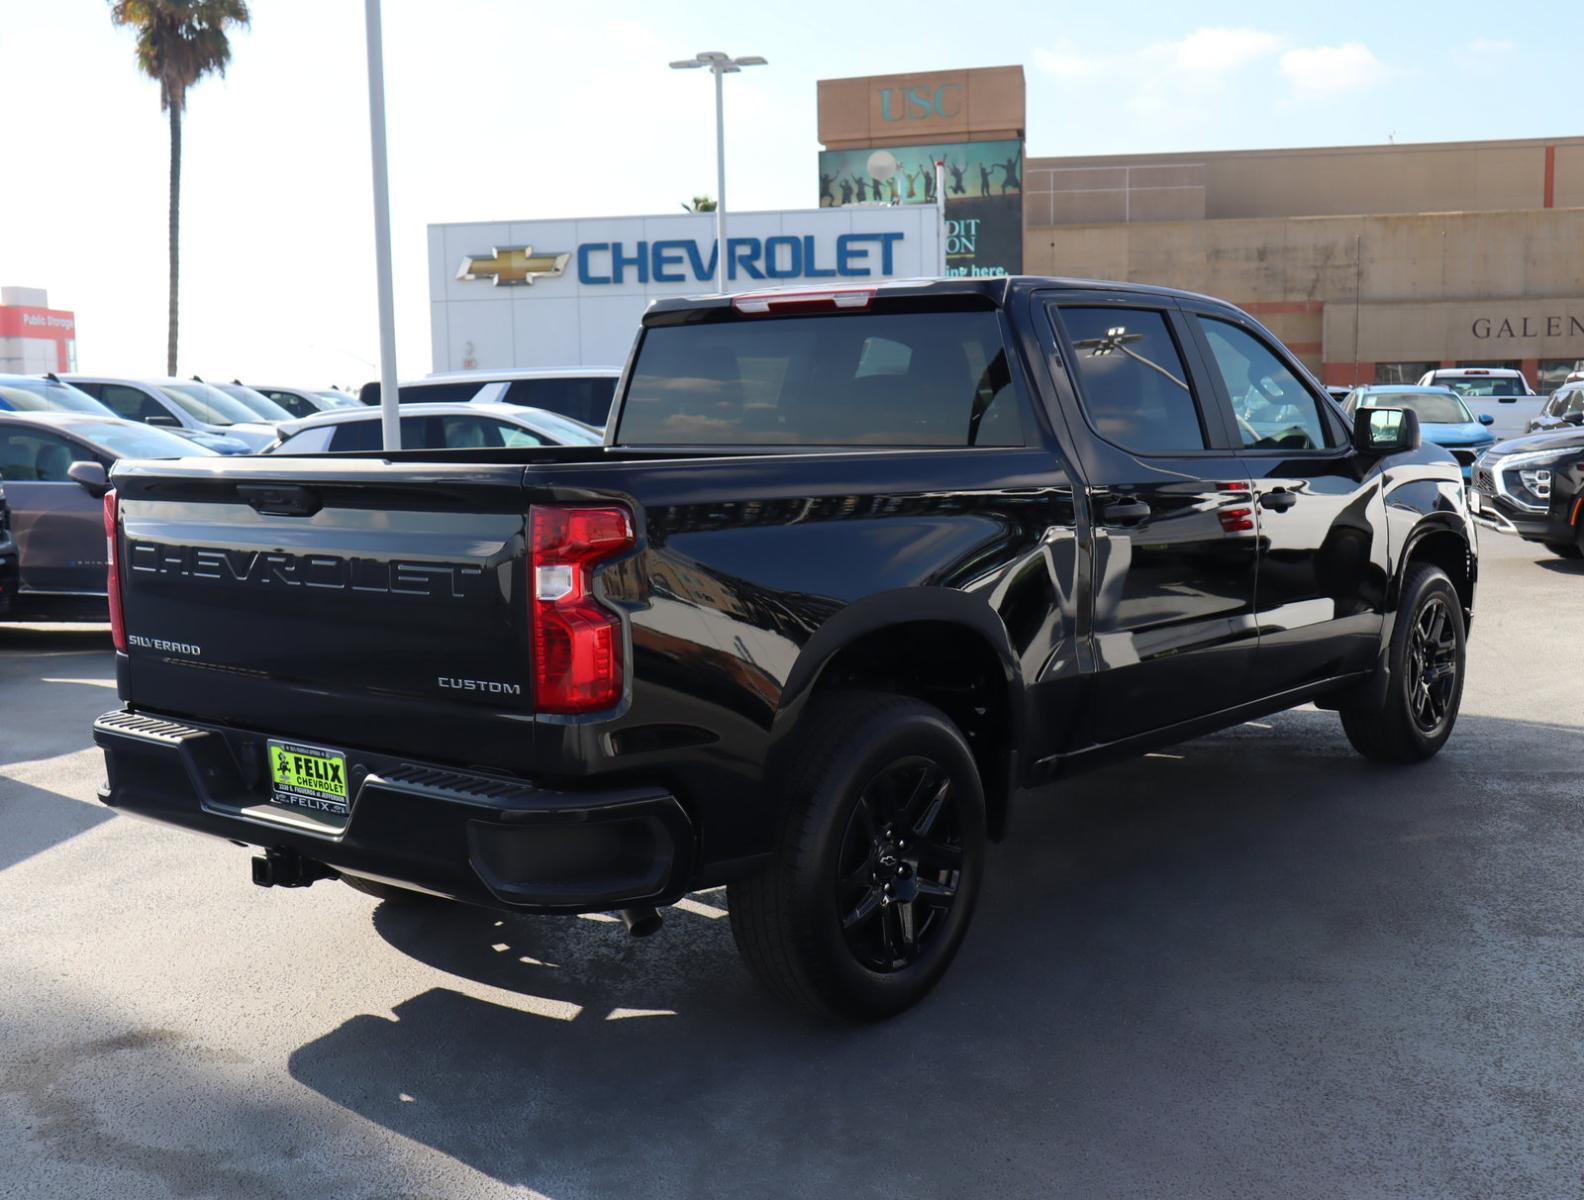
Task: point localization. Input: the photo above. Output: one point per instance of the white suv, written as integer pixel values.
(1479, 381)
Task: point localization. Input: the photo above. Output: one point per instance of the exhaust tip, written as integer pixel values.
(640, 922)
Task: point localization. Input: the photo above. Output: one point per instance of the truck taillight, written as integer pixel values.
(577, 641)
(112, 510)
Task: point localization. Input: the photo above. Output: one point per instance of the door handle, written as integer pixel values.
(1124, 512)
(1278, 501)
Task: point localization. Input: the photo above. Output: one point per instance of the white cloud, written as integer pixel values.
(1218, 51)
(1314, 72)
(1492, 46)
(1167, 81)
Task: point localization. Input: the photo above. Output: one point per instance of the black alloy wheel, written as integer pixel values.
(1432, 665)
(900, 864)
(1404, 712)
(876, 870)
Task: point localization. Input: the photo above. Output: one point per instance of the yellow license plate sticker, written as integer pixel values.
(309, 777)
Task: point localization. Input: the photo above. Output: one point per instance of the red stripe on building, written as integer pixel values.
(21, 321)
(1550, 177)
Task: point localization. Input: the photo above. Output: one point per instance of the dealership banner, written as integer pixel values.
(984, 194)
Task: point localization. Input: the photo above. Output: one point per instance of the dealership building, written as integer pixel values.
(1372, 263)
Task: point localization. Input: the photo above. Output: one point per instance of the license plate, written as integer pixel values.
(309, 777)
(1474, 501)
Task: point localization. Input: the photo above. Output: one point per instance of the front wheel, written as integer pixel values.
(1411, 717)
(877, 869)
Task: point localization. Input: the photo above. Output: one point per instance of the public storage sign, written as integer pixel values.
(570, 293)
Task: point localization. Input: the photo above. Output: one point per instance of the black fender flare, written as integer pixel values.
(905, 606)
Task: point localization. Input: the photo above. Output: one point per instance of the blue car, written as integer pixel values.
(1443, 417)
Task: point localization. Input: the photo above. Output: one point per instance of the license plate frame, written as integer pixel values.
(309, 778)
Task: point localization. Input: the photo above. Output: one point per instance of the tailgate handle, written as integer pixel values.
(280, 500)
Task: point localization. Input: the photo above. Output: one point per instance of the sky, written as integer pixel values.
(518, 109)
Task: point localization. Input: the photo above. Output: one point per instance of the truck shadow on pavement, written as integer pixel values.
(1255, 963)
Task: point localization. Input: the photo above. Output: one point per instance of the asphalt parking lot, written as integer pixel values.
(1255, 966)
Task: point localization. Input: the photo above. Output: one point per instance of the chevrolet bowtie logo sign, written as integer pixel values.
(511, 266)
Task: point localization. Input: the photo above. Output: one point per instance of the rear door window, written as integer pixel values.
(129, 403)
(932, 378)
(586, 399)
(1131, 380)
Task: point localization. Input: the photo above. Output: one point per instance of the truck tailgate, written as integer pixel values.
(348, 603)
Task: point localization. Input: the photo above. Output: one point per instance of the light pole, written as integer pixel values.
(390, 422)
(720, 65)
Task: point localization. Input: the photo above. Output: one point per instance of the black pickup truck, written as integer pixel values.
(853, 568)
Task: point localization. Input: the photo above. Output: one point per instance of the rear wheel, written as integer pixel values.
(1566, 549)
(877, 870)
(1411, 717)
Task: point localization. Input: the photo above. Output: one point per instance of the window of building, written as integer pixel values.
(1131, 379)
(1554, 372)
(1403, 372)
(1273, 410)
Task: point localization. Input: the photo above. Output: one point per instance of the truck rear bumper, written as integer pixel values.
(479, 838)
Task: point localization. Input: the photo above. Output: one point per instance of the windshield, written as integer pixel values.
(1434, 408)
(922, 378)
(1485, 385)
(43, 395)
(208, 404)
(257, 402)
(127, 440)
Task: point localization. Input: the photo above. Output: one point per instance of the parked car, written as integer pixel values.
(45, 393)
(8, 556)
(1564, 409)
(256, 402)
(54, 467)
(434, 427)
(305, 402)
(194, 410)
(1339, 392)
(1497, 392)
(854, 567)
(1534, 486)
(1444, 420)
(582, 393)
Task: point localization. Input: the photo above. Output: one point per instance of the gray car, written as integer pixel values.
(306, 402)
(54, 468)
(189, 407)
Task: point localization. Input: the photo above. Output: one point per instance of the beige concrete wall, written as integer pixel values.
(1532, 254)
(1338, 181)
(981, 104)
(1470, 330)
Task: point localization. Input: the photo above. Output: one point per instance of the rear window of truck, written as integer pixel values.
(900, 379)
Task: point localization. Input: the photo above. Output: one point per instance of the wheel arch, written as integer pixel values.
(1444, 543)
(938, 645)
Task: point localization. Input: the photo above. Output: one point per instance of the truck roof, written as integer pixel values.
(997, 289)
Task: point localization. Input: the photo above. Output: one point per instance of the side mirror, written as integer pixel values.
(91, 475)
(1486, 419)
(1385, 430)
(162, 419)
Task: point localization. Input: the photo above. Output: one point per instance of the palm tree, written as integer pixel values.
(700, 204)
(178, 43)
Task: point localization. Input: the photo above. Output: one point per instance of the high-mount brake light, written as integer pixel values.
(577, 641)
(759, 303)
(112, 515)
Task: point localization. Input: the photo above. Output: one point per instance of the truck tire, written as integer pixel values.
(876, 871)
(1411, 718)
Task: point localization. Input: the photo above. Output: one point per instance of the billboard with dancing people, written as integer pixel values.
(984, 194)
